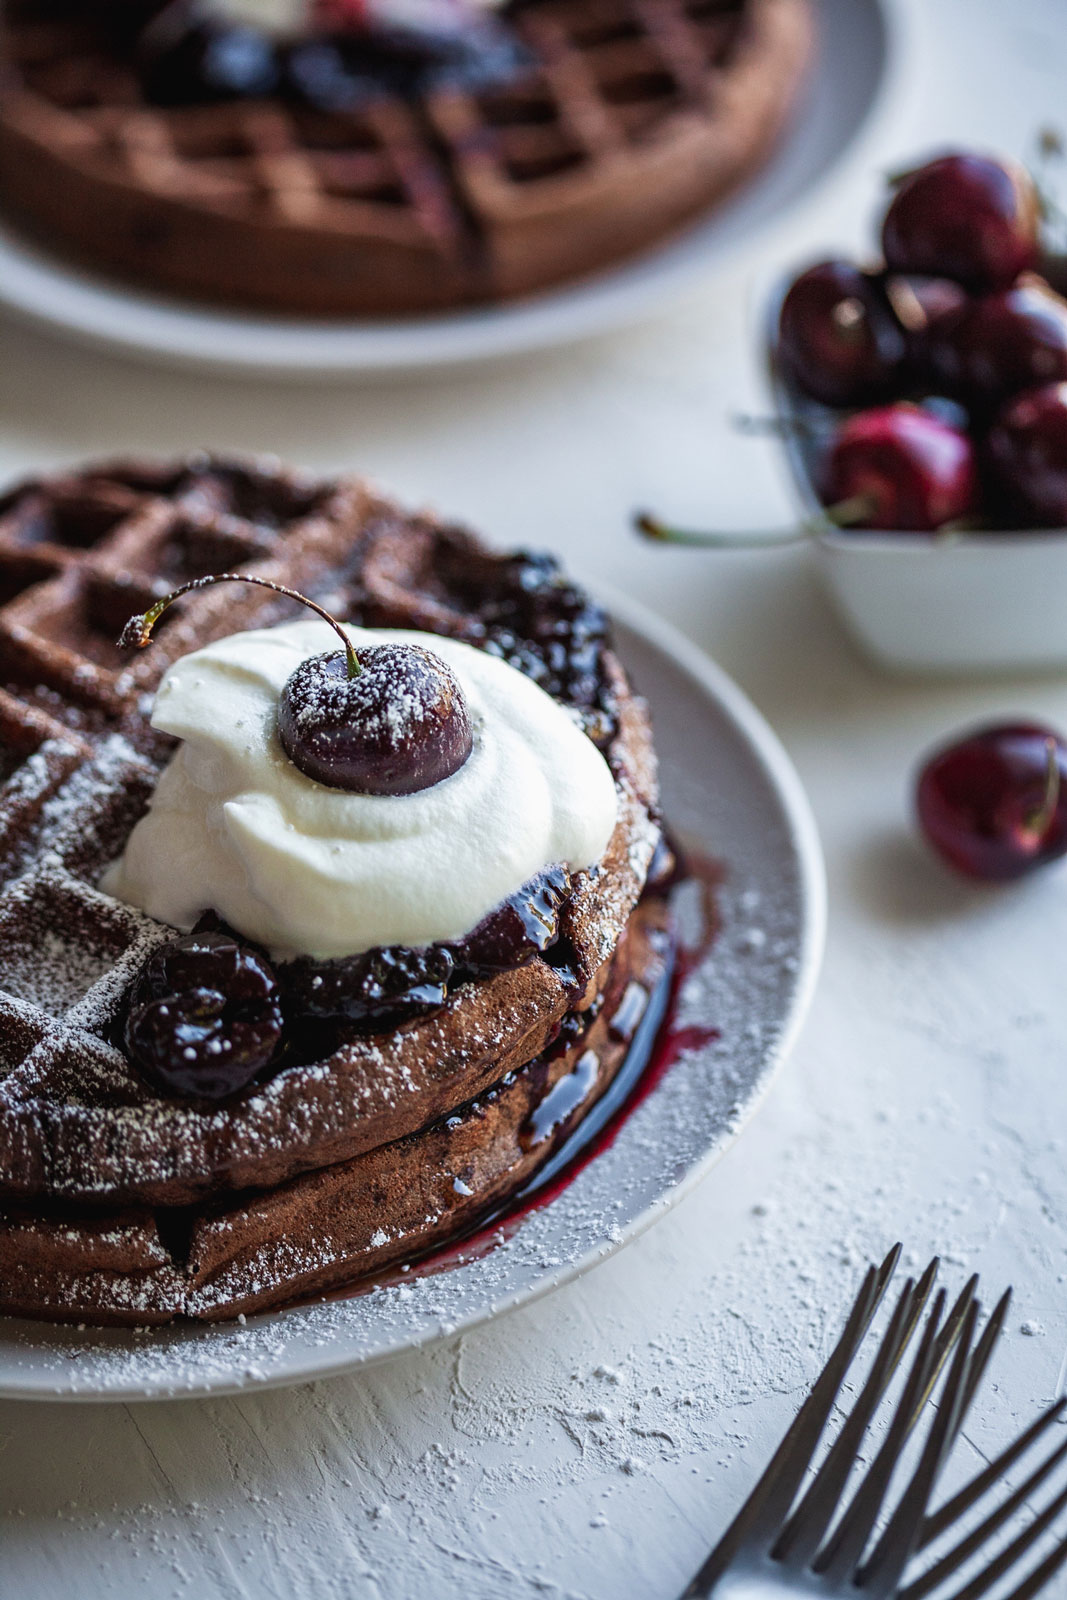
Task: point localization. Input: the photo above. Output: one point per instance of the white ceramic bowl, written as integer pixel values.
(917, 603)
(985, 604)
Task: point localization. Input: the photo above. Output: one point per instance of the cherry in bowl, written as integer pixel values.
(999, 344)
(1026, 456)
(902, 468)
(993, 804)
(838, 337)
(968, 217)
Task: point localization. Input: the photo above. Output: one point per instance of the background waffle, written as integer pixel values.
(637, 116)
(78, 1126)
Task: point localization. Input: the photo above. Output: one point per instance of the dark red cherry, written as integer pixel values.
(399, 726)
(903, 468)
(918, 304)
(918, 301)
(390, 721)
(204, 1016)
(1026, 455)
(838, 338)
(967, 217)
(995, 346)
(994, 804)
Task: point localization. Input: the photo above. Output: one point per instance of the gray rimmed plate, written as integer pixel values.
(730, 790)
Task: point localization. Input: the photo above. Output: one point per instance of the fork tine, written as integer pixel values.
(960, 1553)
(972, 1492)
(984, 1350)
(806, 1527)
(881, 1574)
(763, 1511)
(793, 1456)
(947, 1340)
(1041, 1574)
(842, 1554)
(1011, 1553)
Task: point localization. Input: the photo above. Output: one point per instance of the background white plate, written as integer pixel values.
(728, 787)
(857, 56)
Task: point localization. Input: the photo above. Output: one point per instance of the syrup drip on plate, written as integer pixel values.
(561, 1101)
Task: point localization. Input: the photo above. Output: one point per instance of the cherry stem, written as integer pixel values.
(1039, 821)
(755, 426)
(138, 631)
(898, 175)
(845, 514)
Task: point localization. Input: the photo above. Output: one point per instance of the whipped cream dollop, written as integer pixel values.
(292, 18)
(302, 868)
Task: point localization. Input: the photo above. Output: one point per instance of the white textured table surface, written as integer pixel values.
(592, 1445)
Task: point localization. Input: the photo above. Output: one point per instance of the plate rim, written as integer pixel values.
(30, 278)
(778, 769)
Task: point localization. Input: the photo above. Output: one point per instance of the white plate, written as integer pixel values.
(858, 54)
(730, 789)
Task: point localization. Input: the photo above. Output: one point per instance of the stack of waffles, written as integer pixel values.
(121, 1204)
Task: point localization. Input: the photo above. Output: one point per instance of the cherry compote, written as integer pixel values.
(395, 984)
(188, 55)
(204, 1016)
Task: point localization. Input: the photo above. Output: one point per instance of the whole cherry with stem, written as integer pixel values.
(994, 803)
(390, 719)
(895, 467)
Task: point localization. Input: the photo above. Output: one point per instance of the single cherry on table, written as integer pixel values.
(994, 804)
(390, 721)
(971, 218)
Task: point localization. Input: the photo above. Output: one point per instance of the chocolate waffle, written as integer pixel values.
(632, 118)
(124, 1204)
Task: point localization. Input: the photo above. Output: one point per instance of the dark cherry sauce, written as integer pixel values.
(656, 1043)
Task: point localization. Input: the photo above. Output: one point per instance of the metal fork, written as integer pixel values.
(781, 1545)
